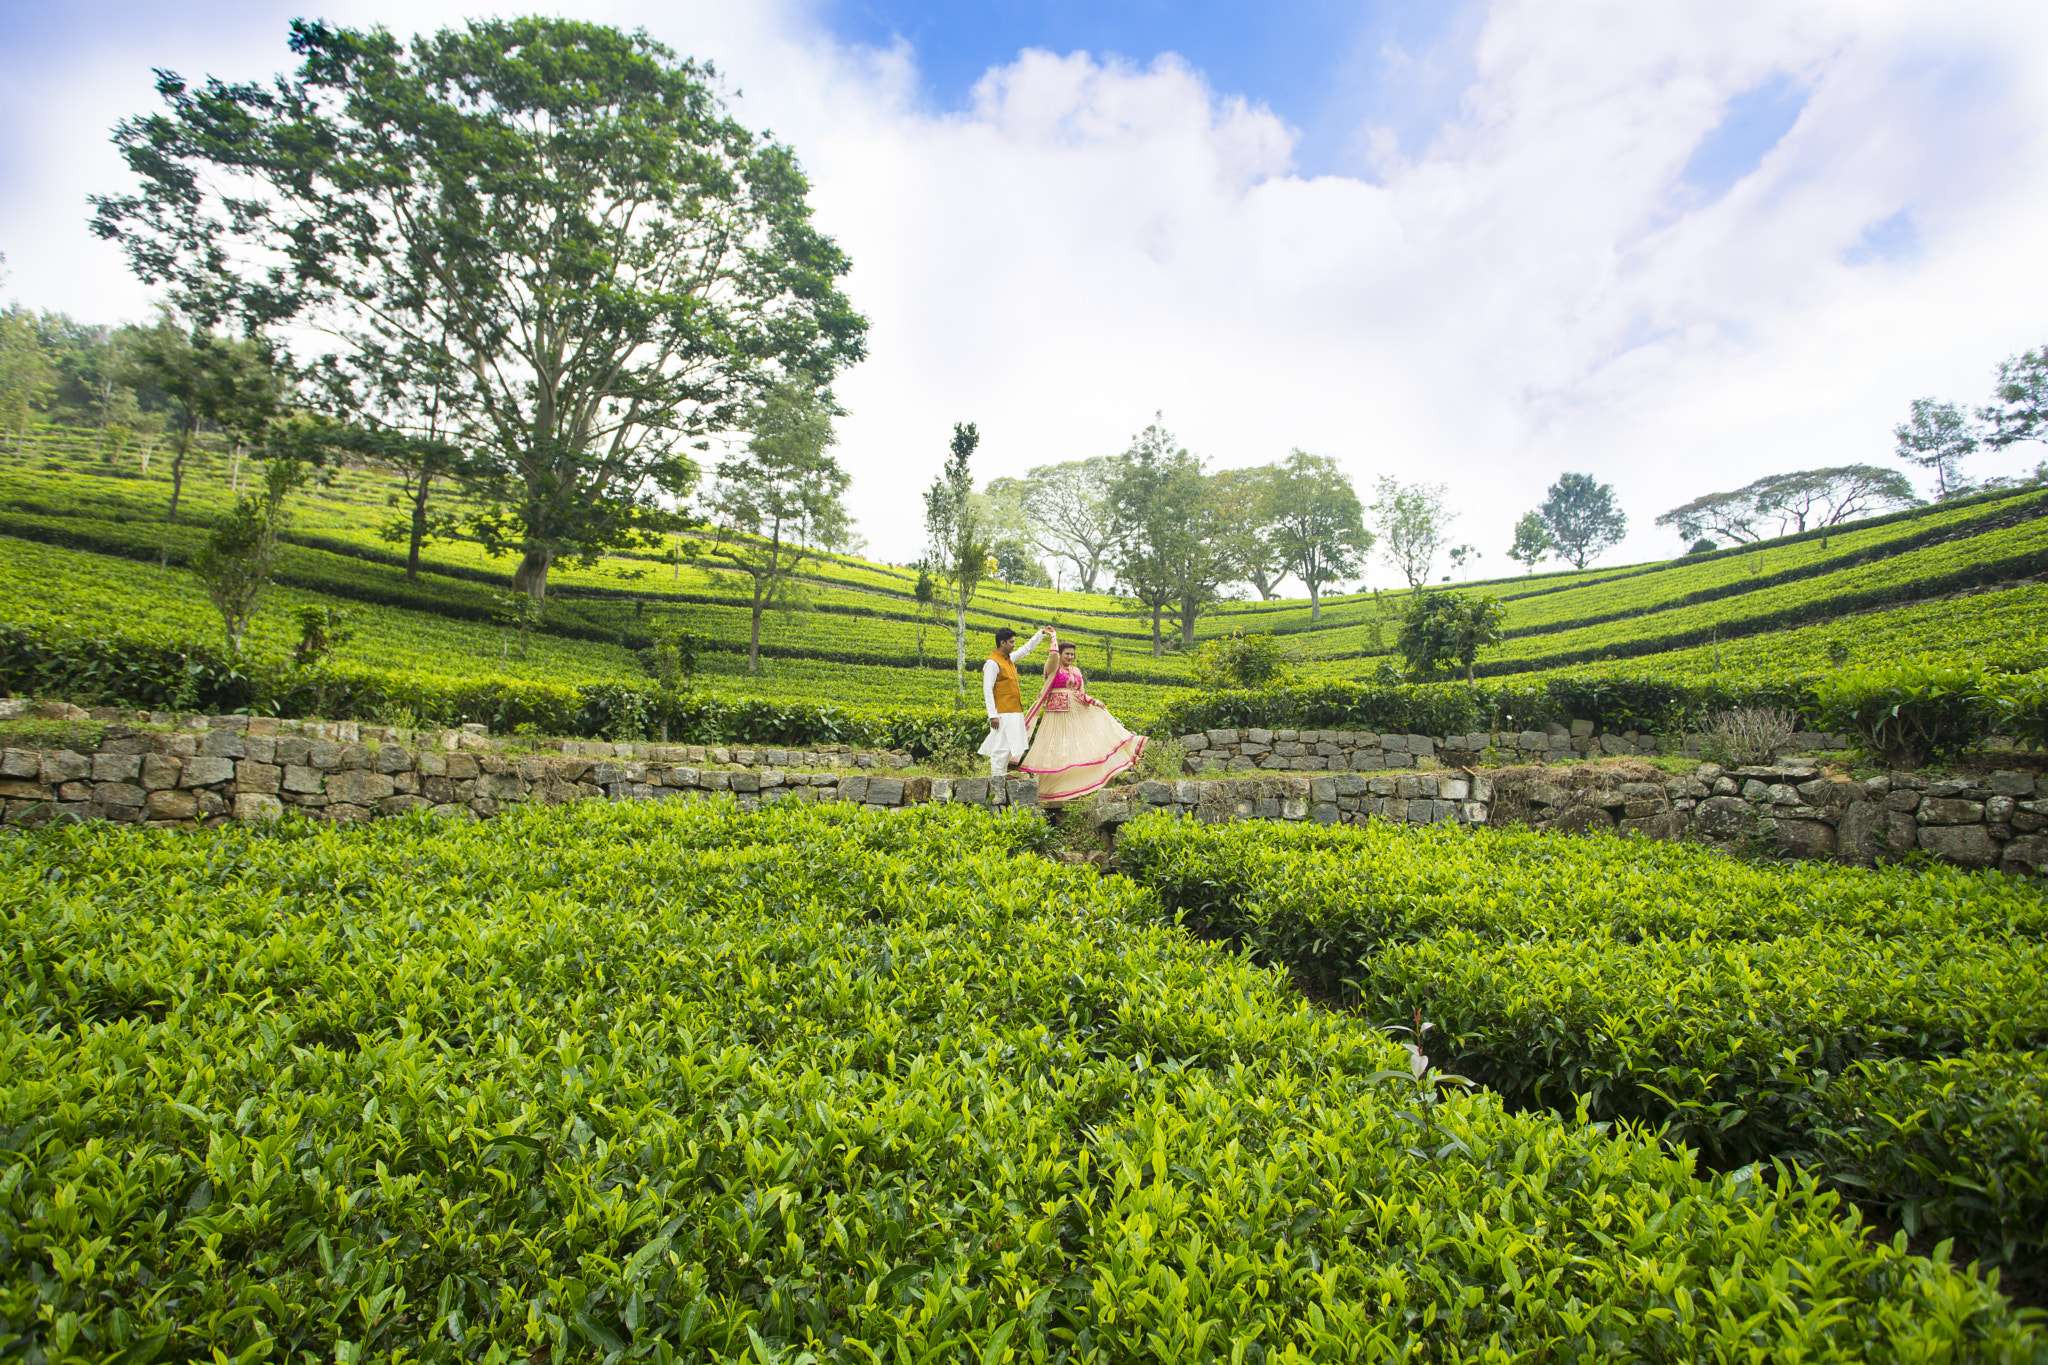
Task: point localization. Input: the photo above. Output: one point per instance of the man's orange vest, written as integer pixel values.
(1009, 694)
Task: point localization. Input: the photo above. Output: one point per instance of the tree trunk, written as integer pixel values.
(960, 649)
(178, 472)
(531, 577)
(1187, 622)
(1089, 574)
(1158, 645)
(754, 640)
(1315, 602)
(419, 530)
(163, 559)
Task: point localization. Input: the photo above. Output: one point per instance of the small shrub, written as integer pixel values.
(322, 630)
(1162, 760)
(1238, 660)
(1907, 713)
(1747, 734)
(955, 753)
(2022, 708)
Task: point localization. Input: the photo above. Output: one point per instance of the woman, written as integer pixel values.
(1078, 746)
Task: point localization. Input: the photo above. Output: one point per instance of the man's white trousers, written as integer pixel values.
(1006, 743)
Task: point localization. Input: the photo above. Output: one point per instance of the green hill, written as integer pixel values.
(81, 538)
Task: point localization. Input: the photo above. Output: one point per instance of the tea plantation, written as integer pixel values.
(73, 525)
(644, 1081)
(641, 1082)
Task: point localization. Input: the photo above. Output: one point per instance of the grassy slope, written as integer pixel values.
(862, 641)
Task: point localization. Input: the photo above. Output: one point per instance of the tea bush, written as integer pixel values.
(651, 1082)
(1657, 982)
(1953, 1145)
(1908, 711)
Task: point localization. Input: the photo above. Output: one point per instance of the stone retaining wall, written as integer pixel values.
(1792, 809)
(1214, 751)
(252, 769)
(179, 770)
(185, 770)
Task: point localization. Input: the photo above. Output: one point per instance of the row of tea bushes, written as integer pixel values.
(1748, 1010)
(614, 1082)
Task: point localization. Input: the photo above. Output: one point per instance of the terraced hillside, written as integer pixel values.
(81, 538)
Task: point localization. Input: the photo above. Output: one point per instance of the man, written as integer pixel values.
(1003, 696)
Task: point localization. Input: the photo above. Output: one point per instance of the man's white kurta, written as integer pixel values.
(1009, 735)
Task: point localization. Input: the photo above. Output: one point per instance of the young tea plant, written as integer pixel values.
(1428, 1085)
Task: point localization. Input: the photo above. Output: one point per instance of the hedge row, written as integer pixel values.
(1650, 705)
(1749, 1011)
(676, 1083)
(1905, 711)
(170, 673)
(352, 573)
(1946, 707)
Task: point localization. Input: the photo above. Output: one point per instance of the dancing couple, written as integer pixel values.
(1078, 745)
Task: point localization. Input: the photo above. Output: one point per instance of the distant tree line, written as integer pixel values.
(1936, 436)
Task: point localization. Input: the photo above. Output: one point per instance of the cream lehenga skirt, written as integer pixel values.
(1077, 752)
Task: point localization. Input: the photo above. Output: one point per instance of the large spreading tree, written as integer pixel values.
(548, 233)
(1806, 499)
(1069, 516)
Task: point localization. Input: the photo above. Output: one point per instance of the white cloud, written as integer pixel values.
(1090, 242)
(1534, 292)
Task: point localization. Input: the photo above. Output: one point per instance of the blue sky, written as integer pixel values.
(1753, 122)
(1325, 66)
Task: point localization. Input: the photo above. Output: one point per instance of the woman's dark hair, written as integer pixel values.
(1066, 645)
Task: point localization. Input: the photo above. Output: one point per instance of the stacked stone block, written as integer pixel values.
(1217, 752)
(1789, 807)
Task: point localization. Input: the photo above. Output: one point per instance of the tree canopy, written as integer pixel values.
(778, 502)
(1444, 631)
(1806, 499)
(1245, 501)
(1166, 549)
(1316, 526)
(1413, 525)
(2019, 407)
(1068, 516)
(550, 228)
(1938, 436)
(1532, 541)
(1580, 516)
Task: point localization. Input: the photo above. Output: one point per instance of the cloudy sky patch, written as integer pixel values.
(1675, 246)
